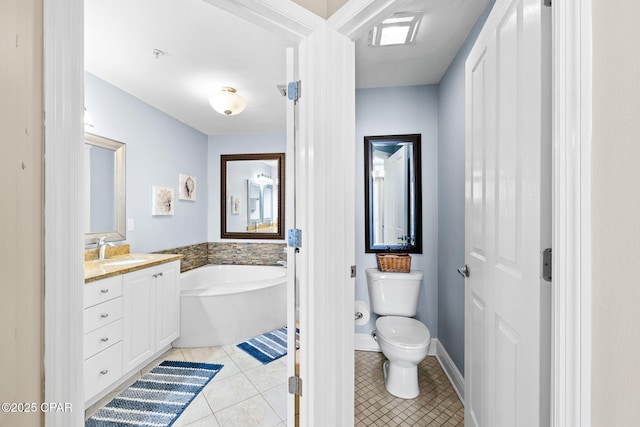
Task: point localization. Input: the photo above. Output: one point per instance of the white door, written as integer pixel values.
(293, 366)
(395, 197)
(508, 218)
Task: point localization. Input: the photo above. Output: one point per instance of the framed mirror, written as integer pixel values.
(104, 176)
(393, 194)
(252, 196)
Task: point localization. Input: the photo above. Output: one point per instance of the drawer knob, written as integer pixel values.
(105, 315)
(105, 339)
(104, 371)
(104, 291)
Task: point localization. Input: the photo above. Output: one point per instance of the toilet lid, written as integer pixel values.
(403, 332)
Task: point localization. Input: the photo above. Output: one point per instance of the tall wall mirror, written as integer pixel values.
(252, 196)
(104, 175)
(393, 214)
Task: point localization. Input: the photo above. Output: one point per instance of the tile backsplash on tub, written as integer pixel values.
(238, 253)
(194, 255)
(246, 253)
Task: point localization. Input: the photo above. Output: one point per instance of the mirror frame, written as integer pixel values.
(118, 148)
(415, 139)
(224, 197)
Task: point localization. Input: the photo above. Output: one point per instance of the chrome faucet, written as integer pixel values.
(102, 248)
(282, 263)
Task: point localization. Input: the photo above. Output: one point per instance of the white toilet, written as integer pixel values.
(403, 340)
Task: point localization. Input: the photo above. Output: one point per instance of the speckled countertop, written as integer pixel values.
(120, 261)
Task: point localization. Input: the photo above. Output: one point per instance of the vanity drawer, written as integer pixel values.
(102, 370)
(102, 290)
(102, 338)
(102, 314)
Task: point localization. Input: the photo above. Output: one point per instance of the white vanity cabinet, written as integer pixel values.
(102, 340)
(129, 320)
(151, 312)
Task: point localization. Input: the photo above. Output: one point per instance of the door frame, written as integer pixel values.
(64, 91)
(572, 133)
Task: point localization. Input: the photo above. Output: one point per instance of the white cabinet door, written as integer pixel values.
(167, 304)
(138, 295)
(151, 301)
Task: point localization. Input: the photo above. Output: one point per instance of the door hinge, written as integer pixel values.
(295, 385)
(294, 238)
(293, 90)
(546, 264)
(353, 271)
(547, 3)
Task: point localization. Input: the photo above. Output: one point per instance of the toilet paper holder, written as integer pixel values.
(361, 313)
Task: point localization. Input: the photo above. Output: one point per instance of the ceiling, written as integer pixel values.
(206, 48)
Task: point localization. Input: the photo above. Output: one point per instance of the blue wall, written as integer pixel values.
(392, 111)
(159, 148)
(451, 154)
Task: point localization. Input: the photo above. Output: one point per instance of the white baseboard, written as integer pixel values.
(365, 342)
(433, 347)
(455, 377)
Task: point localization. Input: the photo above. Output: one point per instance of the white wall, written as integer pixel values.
(393, 111)
(158, 149)
(236, 144)
(616, 213)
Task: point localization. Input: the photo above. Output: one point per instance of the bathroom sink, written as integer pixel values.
(123, 262)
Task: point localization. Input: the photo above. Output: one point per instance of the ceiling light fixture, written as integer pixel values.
(400, 29)
(264, 179)
(227, 102)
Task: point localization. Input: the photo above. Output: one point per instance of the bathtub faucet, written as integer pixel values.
(282, 263)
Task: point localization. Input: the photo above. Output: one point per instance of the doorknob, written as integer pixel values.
(464, 271)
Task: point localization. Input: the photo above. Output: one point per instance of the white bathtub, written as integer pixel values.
(227, 304)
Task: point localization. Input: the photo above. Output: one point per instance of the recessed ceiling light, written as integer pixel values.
(399, 29)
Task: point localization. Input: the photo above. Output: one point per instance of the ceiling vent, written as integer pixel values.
(399, 29)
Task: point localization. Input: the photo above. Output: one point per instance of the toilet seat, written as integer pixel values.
(403, 332)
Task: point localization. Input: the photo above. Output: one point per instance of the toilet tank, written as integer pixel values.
(394, 294)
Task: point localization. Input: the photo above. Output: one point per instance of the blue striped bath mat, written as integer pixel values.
(267, 347)
(157, 398)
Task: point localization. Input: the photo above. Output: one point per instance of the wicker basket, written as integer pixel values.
(397, 263)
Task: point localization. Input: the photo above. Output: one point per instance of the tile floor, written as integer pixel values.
(246, 393)
(437, 405)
